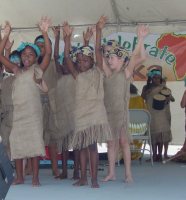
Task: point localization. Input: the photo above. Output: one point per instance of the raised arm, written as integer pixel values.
(67, 32)
(138, 55)
(11, 66)
(100, 62)
(8, 48)
(183, 101)
(87, 36)
(44, 24)
(56, 31)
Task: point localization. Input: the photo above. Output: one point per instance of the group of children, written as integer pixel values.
(75, 102)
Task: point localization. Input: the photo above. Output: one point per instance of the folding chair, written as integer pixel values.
(139, 127)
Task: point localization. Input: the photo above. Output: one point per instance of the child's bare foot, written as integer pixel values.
(94, 184)
(109, 178)
(28, 172)
(56, 173)
(35, 182)
(166, 157)
(128, 179)
(75, 175)
(81, 182)
(63, 175)
(18, 181)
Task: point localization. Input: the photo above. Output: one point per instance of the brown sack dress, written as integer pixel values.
(90, 119)
(26, 137)
(117, 94)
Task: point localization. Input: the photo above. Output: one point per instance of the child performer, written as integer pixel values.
(49, 107)
(26, 137)
(90, 120)
(116, 86)
(160, 119)
(65, 93)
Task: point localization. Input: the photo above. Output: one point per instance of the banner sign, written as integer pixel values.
(166, 52)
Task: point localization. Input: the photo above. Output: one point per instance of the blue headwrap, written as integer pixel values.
(23, 45)
(41, 40)
(153, 73)
(15, 59)
(61, 58)
(73, 52)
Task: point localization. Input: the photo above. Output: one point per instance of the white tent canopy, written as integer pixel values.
(123, 15)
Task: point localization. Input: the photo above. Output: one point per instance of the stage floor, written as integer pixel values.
(160, 182)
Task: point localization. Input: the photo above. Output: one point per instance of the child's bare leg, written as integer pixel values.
(76, 164)
(127, 157)
(94, 164)
(184, 146)
(154, 150)
(83, 164)
(111, 146)
(53, 157)
(160, 148)
(35, 167)
(19, 172)
(63, 175)
(166, 145)
(28, 167)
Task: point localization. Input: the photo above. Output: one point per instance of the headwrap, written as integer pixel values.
(61, 58)
(73, 52)
(153, 72)
(112, 43)
(41, 40)
(15, 59)
(23, 45)
(86, 50)
(120, 52)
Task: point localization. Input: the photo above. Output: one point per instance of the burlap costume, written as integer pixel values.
(65, 101)
(7, 109)
(90, 119)
(26, 137)
(160, 119)
(49, 108)
(116, 100)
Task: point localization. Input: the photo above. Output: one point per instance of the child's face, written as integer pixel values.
(84, 62)
(41, 46)
(115, 62)
(28, 57)
(156, 80)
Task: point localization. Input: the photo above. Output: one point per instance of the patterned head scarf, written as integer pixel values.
(110, 43)
(86, 50)
(120, 52)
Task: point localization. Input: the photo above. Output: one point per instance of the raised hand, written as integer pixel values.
(9, 44)
(87, 35)
(101, 22)
(44, 24)
(56, 31)
(67, 29)
(7, 29)
(142, 31)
